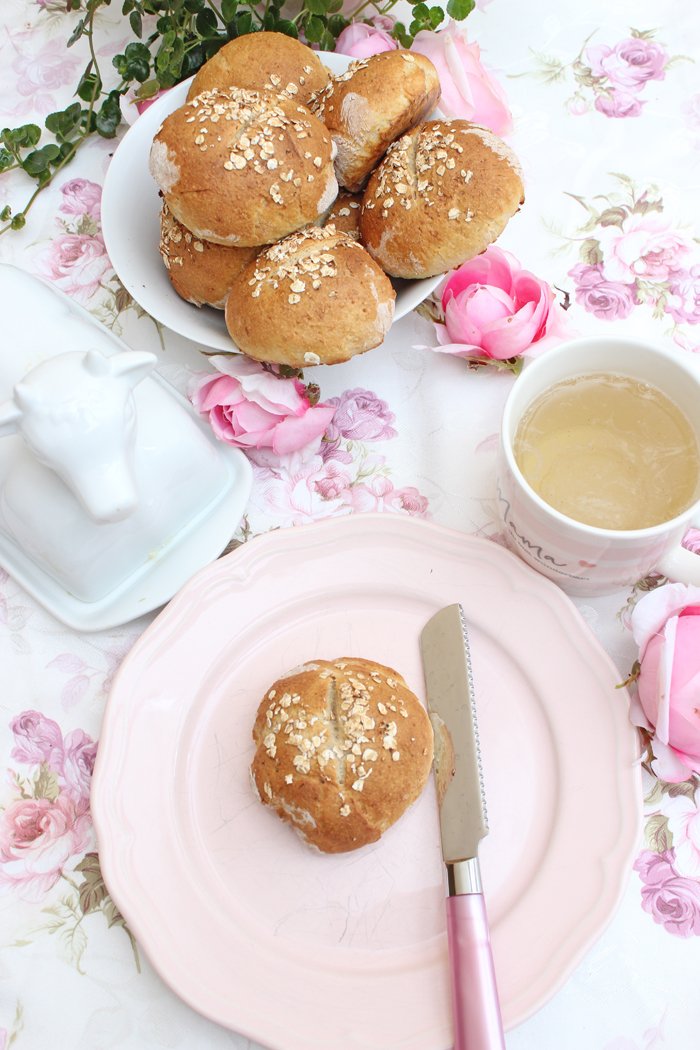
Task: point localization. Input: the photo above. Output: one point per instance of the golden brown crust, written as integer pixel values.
(442, 194)
(243, 167)
(345, 214)
(316, 297)
(264, 62)
(375, 101)
(199, 271)
(343, 747)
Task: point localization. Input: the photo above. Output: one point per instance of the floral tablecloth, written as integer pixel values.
(606, 106)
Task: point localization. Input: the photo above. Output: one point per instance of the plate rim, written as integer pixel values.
(241, 567)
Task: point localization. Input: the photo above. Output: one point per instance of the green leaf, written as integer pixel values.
(336, 24)
(92, 891)
(244, 23)
(206, 23)
(89, 87)
(136, 23)
(109, 116)
(7, 160)
(18, 221)
(313, 29)
(228, 9)
(327, 41)
(656, 833)
(6, 213)
(46, 781)
(435, 17)
(64, 122)
(77, 32)
(128, 6)
(289, 28)
(459, 9)
(135, 63)
(316, 7)
(420, 10)
(23, 136)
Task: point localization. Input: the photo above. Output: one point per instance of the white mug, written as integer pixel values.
(584, 559)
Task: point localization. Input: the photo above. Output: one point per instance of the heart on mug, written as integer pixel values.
(587, 564)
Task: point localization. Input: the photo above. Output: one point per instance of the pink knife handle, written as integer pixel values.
(475, 1007)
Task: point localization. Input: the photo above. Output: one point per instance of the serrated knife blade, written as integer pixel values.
(463, 824)
(450, 691)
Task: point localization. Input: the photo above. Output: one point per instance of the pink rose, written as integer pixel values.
(79, 752)
(41, 68)
(81, 197)
(409, 500)
(609, 300)
(618, 104)
(629, 64)
(77, 263)
(494, 309)
(294, 497)
(683, 299)
(250, 407)
(37, 739)
(361, 416)
(333, 482)
(691, 540)
(468, 89)
(670, 899)
(683, 816)
(37, 838)
(360, 40)
(643, 247)
(666, 627)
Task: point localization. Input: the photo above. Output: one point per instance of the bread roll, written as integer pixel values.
(441, 195)
(314, 298)
(243, 167)
(345, 214)
(264, 62)
(343, 748)
(199, 271)
(371, 104)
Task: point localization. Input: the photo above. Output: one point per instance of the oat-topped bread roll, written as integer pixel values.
(316, 297)
(371, 104)
(343, 749)
(200, 272)
(243, 167)
(345, 214)
(441, 195)
(264, 62)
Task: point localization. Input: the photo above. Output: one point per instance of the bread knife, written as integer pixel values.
(463, 824)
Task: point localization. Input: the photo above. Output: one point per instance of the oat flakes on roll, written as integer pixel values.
(264, 62)
(442, 194)
(343, 748)
(375, 101)
(200, 272)
(317, 297)
(244, 168)
(345, 214)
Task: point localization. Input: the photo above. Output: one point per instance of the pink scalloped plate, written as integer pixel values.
(302, 951)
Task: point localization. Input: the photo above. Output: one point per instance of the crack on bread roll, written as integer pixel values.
(280, 307)
(343, 747)
(243, 167)
(441, 195)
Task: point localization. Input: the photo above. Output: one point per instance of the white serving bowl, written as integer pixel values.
(131, 230)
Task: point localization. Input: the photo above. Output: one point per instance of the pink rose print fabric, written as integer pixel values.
(632, 255)
(49, 824)
(611, 79)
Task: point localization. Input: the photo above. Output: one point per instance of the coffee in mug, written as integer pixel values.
(599, 475)
(610, 451)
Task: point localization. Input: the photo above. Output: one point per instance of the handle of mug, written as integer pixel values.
(682, 565)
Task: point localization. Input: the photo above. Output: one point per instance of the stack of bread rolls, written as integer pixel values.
(292, 196)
